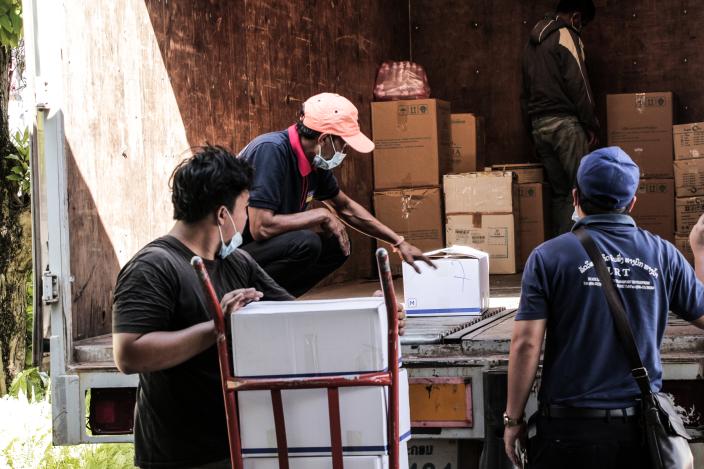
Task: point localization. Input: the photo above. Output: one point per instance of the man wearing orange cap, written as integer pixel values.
(291, 168)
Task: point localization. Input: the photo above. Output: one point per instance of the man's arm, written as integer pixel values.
(523, 359)
(265, 224)
(576, 81)
(361, 220)
(160, 350)
(696, 240)
(154, 351)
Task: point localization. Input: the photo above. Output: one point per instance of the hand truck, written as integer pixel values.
(233, 384)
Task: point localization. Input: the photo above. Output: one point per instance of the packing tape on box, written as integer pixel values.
(477, 217)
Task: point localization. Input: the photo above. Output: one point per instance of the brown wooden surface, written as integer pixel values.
(471, 51)
(146, 79)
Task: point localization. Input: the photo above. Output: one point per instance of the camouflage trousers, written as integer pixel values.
(560, 142)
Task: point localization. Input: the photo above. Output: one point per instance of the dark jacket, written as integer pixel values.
(555, 80)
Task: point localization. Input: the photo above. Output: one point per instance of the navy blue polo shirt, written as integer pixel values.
(284, 181)
(584, 364)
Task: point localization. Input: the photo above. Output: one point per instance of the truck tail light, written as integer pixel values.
(111, 411)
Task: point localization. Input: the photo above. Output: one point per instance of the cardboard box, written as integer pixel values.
(302, 338)
(534, 203)
(322, 462)
(363, 412)
(526, 173)
(415, 214)
(655, 207)
(493, 234)
(682, 243)
(459, 285)
(412, 141)
(689, 177)
(468, 142)
(481, 192)
(641, 124)
(689, 141)
(687, 213)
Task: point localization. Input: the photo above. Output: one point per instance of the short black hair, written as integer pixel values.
(210, 178)
(590, 207)
(585, 7)
(307, 132)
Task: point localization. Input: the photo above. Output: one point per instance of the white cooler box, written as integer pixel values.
(350, 462)
(308, 339)
(458, 287)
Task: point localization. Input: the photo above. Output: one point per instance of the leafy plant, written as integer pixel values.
(20, 169)
(31, 383)
(10, 22)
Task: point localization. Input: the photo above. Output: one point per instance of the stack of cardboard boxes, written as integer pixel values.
(481, 211)
(641, 124)
(533, 206)
(689, 181)
(417, 142)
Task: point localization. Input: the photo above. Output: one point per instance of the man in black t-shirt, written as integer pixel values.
(296, 246)
(162, 327)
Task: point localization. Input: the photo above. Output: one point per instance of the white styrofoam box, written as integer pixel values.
(310, 338)
(325, 462)
(459, 285)
(362, 420)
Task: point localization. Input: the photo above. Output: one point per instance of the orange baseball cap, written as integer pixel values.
(334, 114)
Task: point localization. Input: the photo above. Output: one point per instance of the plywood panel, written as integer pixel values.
(147, 79)
(472, 51)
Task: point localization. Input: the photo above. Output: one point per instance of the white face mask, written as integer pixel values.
(235, 242)
(335, 161)
(575, 216)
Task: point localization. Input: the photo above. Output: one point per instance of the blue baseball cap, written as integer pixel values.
(608, 177)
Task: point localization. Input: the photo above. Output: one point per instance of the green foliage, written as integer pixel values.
(25, 442)
(10, 22)
(20, 169)
(30, 383)
(29, 311)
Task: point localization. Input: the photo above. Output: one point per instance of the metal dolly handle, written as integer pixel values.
(232, 384)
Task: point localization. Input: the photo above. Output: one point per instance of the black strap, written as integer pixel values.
(618, 311)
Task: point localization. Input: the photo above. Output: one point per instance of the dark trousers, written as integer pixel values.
(298, 260)
(560, 142)
(588, 444)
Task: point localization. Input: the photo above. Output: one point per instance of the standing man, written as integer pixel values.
(588, 414)
(162, 328)
(557, 101)
(296, 246)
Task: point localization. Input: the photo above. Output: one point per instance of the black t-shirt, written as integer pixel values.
(283, 182)
(180, 416)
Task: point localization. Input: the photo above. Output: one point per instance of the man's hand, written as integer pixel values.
(335, 227)
(401, 314)
(409, 253)
(237, 299)
(696, 237)
(511, 435)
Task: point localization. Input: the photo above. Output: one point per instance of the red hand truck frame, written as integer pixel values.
(233, 384)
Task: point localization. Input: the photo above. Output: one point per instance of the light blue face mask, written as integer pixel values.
(235, 242)
(335, 161)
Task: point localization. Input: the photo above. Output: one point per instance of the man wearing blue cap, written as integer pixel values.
(586, 377)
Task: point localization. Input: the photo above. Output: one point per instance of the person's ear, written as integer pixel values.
(575, 198)
(221, 215)
(321, 138)
(576, 20)
(633, 202)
